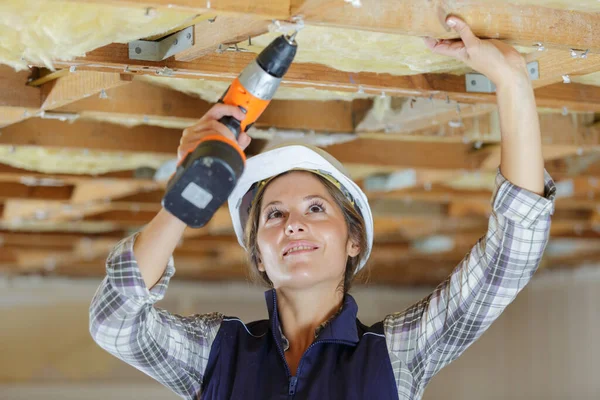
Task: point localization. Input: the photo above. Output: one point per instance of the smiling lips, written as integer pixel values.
(299, 247)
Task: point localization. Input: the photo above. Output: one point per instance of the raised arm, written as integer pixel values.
(170, 348)
(123, 319)
(438, 329)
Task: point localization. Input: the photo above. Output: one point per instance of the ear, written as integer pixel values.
(352, 248)
(261, 267)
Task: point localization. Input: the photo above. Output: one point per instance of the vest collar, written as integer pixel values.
(341, 327)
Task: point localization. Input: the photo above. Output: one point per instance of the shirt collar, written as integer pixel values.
(341, 326)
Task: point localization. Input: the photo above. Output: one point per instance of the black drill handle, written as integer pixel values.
(233, 124)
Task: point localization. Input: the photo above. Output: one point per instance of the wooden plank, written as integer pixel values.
(573, 96)
(554, 64)
(9, 173)
(279, 9)
(222, 30)
(382, 150)
(104, 136)
(139, 99)
(79, 85)
(148, 103)
(15, 190)
(518, 24)
(322, 116)
(14, 89)
(227, 66)
(416, 114)
(408, 154)
(91, 135)
(12, 115)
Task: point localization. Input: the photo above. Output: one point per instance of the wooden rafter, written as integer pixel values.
(79, 85)
(414, 17)
(226, 67)
(222, 30)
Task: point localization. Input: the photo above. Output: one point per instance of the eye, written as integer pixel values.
(273, 213)
(316, 207)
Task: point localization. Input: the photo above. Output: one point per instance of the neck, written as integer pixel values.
(302, 311)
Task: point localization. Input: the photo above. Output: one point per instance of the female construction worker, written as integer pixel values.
(307, 229)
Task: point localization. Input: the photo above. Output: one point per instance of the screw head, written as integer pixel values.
(189, 35)
(473, 83)
(138, 50)
(176, 41)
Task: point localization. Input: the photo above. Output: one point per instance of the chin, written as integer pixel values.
(304, 274)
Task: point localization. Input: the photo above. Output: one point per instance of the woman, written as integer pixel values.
(308, 229)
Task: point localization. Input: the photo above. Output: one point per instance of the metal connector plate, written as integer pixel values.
(478, 83)
(158, 50)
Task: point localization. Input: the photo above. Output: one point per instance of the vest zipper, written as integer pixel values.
(304, 355)
(294, 379)
(292, 388)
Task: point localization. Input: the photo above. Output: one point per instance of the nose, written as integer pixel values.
(294, 225)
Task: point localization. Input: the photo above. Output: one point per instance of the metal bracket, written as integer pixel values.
(478, 83)
(158, 50)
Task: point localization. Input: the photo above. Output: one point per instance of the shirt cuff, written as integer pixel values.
(124, 274)
(521, 205)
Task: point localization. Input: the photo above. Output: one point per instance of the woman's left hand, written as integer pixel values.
(496, 60)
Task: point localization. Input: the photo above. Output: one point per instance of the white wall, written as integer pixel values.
(542, 347)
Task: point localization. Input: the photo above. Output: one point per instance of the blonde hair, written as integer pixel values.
(354, 221)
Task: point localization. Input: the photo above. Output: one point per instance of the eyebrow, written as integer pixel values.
(307, 198)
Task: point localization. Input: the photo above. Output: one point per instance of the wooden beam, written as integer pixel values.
(91, 135)
(554, 64)
(518, 24)
(409, 115)
(14, 89)
(222, 30)
(408, 154)
(382, 150)
(227, 66)
(14, 174)
(104, 136)
(268, 9)
(12, 115)
(14, 190)
(149, 103)
(79, 85)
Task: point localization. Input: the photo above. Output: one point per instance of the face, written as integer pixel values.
(302, 234)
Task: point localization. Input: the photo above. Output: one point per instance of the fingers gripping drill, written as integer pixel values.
(206, 176)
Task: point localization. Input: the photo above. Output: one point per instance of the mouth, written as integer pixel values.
(293, 249)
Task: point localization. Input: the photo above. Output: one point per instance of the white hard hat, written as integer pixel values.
(295, 157)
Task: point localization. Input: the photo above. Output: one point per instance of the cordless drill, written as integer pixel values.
(206, 175)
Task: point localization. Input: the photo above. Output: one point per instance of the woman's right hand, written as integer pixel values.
(209, 124)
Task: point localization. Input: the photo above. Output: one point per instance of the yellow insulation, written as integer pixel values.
(212, 90)
(39, 31)
(72, 161)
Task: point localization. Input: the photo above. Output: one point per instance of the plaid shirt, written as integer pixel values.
(421, 340)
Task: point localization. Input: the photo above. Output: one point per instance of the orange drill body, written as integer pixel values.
(238, 95)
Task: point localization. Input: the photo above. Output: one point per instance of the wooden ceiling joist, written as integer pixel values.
(15, 92)
(227, 66)
(79, 85)
(76, 95)
(222, 31)
(557, 28)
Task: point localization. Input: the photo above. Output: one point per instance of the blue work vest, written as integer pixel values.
(347, 361)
